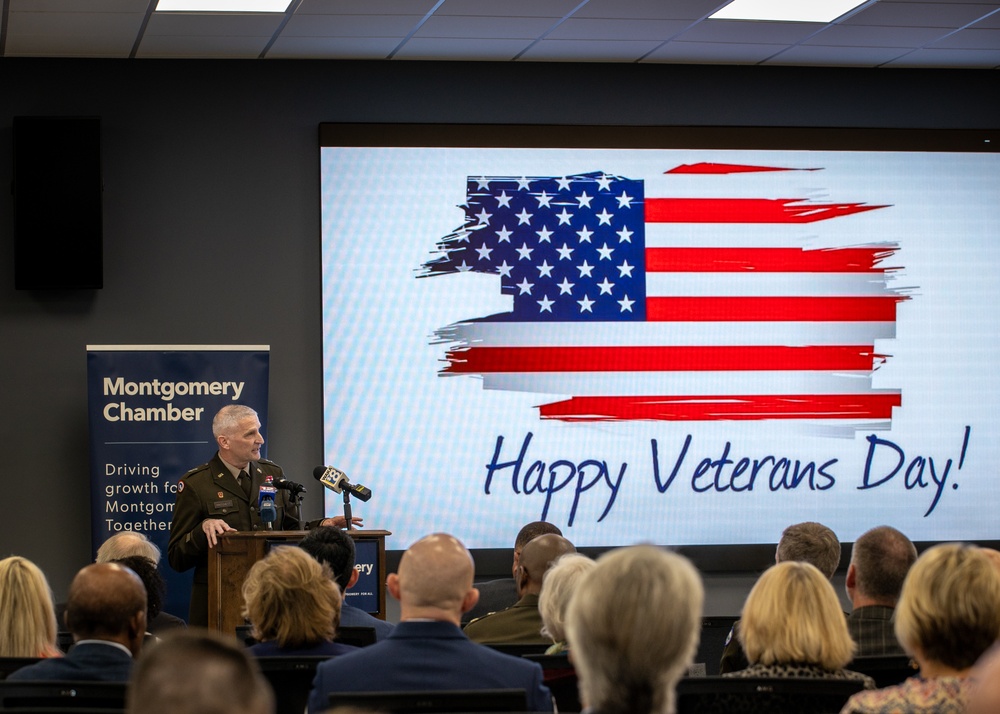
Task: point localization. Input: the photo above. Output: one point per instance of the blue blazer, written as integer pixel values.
(427, 656)
(351, 616)
(89, 661)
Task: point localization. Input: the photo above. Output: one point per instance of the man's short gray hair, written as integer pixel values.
(229, 417)
(125, 545)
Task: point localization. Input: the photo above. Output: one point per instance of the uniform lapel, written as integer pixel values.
(225, 481)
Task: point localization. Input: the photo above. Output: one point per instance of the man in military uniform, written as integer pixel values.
(522, 623)
(221, 496)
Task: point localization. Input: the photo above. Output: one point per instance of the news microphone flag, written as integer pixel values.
(670, 307)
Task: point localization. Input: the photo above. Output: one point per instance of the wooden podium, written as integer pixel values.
(235, 553)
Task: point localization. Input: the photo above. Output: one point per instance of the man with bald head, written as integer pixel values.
(106, 612)
(427, 649)
(522, 623)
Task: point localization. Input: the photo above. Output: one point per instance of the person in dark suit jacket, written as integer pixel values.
(106, 612)
(221, 496)
(427, 650)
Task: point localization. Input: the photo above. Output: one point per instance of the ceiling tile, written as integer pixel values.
(91, 6)
(969, 40)
(461, 48)
(466, 26)
(589, 50)
(202, 47)
(508, 8)
(982, 59)
(826, 56)
(861, 36)
(206, 25)
(333, 47)
(579, 29)
(767, 33)
(713, 53)
(651, 9)
(368, 7)
(919, 14)
(350, 25)
(72, 34)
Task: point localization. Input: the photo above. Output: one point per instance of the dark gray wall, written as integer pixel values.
(212, 220)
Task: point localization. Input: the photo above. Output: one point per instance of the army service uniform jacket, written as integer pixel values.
(211, 491)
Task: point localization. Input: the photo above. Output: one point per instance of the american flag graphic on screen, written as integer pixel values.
(635, 302)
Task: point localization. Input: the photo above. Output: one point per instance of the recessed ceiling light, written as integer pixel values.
(222, 5)
(785, 10)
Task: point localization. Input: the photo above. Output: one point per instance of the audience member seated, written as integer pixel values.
(293, 605)
(427, 650)
(807, 542)
(335, 548)
(154, 584)
(522, 623)
(106, 612)
(558, 585)
(127, 544)
(27, 617)
(948, 615)
(633, 625)
(880, 560)
(499, 594)
(194, 671)
(985, 678)
(792, 626)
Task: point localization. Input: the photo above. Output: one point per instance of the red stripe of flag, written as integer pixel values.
(765, 260)
(707, 167)
(805, 406)
(772, 309)
(484, 360)
(746, 210)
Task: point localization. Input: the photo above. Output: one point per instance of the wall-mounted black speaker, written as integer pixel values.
(58, 217)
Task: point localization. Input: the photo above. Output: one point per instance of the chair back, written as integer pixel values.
(764, 695)
(714, 631)
(62, 695)
(437, 702)
(291, 678)
(559, 675)
(886, 670)
(12, 664)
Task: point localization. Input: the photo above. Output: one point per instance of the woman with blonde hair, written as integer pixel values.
(27, 614)
(948, 615)
(293, 605)
(792, 626)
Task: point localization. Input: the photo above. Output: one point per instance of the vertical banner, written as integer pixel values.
(151, 410)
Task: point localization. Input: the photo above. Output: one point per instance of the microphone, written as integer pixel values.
(284, 484)
(336, 480)
(265, 503)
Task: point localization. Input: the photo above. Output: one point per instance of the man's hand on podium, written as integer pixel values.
(213, 528)
(341, 522)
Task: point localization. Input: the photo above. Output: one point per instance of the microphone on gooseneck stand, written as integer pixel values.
(336, 480)
(265, 503)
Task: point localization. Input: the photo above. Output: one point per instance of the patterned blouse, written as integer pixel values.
(801, 670)
(939, 695)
